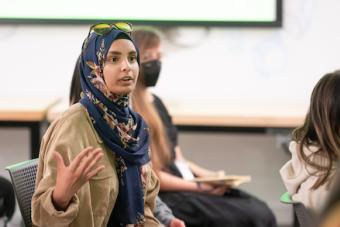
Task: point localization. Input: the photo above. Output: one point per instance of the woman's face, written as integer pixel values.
(152, 53)
(121, 68)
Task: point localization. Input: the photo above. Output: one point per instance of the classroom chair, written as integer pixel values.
(302, 217)
(23, 179)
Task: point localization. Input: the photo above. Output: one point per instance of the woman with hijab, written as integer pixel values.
(94, 165)
(197, 204)
(162, 212)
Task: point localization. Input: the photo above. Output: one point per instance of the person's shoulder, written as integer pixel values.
(293, 146)
(73, 125)
(76, 111)
(75, 116)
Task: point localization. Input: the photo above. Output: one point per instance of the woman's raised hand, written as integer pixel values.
(72, 177)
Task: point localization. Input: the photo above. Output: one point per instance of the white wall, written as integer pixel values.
(248, 67)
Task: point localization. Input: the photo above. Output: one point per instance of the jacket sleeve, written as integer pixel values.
(61, 136)
(162, 212)
(292, 172)
(151, 193)
(299, 179)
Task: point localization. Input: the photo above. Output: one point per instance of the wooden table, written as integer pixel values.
(30, 113)
(238, 121)
(234, 116)
(193, 118)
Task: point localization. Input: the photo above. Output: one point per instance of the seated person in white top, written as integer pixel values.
(315, 147)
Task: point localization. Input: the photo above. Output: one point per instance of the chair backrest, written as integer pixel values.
(304, 218)
(23, 179)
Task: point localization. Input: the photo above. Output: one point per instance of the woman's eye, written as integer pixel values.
(114, 59)
(132, 58)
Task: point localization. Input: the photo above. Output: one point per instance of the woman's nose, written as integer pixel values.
(125, 65)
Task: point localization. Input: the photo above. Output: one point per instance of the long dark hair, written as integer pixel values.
(321, 127)
(160, 149)
(75, 88)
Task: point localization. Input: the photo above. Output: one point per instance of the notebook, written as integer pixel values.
(230, 180)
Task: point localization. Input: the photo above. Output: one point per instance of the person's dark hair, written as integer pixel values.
(145, 39)
(321, 127)
(75, 88)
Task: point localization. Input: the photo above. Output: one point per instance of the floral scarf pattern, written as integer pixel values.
(121, 129)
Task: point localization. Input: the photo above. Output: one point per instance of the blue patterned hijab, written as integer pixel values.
(123, 131)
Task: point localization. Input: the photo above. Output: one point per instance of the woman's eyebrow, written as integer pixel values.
(119, 53)
(114, 52)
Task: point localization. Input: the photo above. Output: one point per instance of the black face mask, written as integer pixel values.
(151, 70)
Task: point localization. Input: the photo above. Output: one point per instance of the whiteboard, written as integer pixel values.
(212, 11)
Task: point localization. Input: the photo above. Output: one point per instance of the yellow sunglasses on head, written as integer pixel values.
(105, 28)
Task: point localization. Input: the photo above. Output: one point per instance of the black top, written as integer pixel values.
(167, 121)
(171, 131)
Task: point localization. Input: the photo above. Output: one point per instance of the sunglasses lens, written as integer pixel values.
(102, 29)
(124, 26)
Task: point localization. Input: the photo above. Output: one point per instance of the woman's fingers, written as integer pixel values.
(82, 168)
(98, 154)
(94, 172)
(86, 160)
(78, 159)
(175, 222)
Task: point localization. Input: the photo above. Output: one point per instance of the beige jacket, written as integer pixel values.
(92, 205)
(298, 179)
